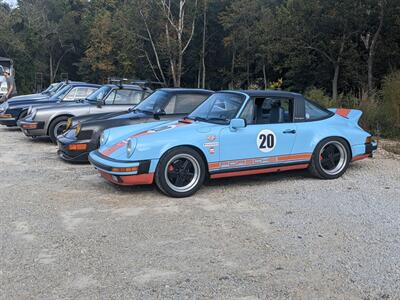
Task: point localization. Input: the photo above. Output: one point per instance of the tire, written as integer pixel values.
(330, 159)
(23, 114)
(56, 128)
(180, 172)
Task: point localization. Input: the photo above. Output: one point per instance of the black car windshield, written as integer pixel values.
(99, 94)
(61, 93)
(157, 100)
(218, 108)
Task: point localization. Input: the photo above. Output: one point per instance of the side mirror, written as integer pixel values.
(236, 124)
(100, 102)
(159, 112)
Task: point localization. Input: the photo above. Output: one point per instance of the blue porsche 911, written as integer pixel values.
(234, 133)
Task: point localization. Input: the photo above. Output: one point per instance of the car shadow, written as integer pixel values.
(10, 129)
(259, 178)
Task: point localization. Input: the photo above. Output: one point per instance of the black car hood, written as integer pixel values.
(98, 117)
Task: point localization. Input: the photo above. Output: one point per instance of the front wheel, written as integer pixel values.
(180, 172)
(331, 158)
(57, 127)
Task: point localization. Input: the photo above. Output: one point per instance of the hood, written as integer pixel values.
(28, 101)
(100, 117)
(30, 96)
(148, 135)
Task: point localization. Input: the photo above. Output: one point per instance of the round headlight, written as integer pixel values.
(129, 148)
(69, 123)
(78, 129)
(103, 138)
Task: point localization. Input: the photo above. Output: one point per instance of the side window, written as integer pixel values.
(248, 112)
(186, 103)
(274, 110)
(170, 108)
(81, 93)
(118, 97)
(315, 112)
(70, 96)
(90, 91)
(110, 98)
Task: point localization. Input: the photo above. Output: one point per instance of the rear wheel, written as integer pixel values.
(180, 172)
(330, 159)
(57, 127)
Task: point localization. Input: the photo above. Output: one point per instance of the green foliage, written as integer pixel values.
(318, 47)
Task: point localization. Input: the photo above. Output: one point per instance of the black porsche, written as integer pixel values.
(83, 133)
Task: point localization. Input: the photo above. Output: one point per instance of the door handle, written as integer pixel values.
(292, 131)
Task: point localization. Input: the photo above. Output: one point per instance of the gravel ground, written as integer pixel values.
(66, 233)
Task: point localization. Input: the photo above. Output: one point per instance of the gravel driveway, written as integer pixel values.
(66, 233)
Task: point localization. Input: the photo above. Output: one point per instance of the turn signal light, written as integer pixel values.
(77, 147)
(368, 140)
(121, 170)
(6, 116)
(29, 126)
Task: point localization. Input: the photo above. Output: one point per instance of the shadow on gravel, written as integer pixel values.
(41, 140)
(10, 129)
(260, 178)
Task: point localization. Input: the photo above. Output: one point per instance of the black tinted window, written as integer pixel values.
(184, 103)
(272, 110)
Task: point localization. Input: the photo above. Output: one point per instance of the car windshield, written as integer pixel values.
(218, 108)
(99, 94)
(61, 93)
(157, 100)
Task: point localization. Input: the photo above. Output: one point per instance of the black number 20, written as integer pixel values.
(267, 141)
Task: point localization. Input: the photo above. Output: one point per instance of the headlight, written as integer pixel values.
(78, 129)
(3, 107)
(103, 138)
(130, 147)
(68, 125)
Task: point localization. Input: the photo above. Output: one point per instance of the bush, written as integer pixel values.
(390, 108)
(319, 96)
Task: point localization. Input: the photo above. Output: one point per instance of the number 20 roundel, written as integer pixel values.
(266, 140)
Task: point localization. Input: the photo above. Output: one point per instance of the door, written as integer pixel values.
(268, 137)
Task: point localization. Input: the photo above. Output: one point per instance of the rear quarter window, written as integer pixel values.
(315, 112)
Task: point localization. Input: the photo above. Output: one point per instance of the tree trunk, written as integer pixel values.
(335, 82)
(51, 68)
(203, 50)
(231, 84)
(265, 76)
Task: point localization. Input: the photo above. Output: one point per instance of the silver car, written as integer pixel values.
(52, 120)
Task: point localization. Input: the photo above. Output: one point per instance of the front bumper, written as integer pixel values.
(74, 150)
(32, 128)
(122, 172)
(8, 120)
(370, 149)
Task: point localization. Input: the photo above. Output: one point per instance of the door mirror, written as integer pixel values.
(236, 124)
(159, 112)
(100, 102)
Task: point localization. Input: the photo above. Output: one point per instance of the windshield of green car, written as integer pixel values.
(219, 108)
(157, 100)
(61, 93)
(99, 94)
